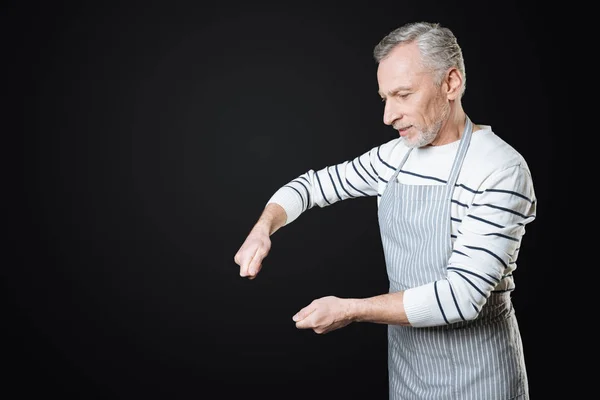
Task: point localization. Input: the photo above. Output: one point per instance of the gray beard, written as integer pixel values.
(427, 136)
(424, 137)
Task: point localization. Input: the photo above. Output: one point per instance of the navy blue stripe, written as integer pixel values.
(433, 178)
(485, 221)
(504, 209)
(468, 189)
(459, 203)
(359, 191)
(437, 296)
(373, 168)
(321, 187)
(299, 194)
(487, 251)
(456, 303)
(307, 192)
(477, 275)
(502, 236)
(383, 162)
(363, 167)
(511, 192)
(494, 278)
(461, 253)
(333, 183)
(471, 283)
(358, 173)
(340, 180)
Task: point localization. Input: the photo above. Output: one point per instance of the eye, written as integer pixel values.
(404, 95)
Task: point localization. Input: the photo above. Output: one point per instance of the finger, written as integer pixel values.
(252, 273)
(302, 325)
(246, 259)
(240, 257)
(308, 322)
(253, 266)
(303, 313)
(256, 263)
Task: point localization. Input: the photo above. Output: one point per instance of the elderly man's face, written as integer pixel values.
(414, 105)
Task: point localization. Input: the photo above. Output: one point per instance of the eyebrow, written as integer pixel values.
(395, 90)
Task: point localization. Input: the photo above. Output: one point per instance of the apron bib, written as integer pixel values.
(480, 359)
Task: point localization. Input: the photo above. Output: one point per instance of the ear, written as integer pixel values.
(453, 83)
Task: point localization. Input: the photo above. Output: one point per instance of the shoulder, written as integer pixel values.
(489, 151)
(491, 162)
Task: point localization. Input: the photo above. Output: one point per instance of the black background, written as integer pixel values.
(151, 134)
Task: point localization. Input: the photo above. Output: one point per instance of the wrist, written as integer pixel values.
(355, 310)
(262, 227)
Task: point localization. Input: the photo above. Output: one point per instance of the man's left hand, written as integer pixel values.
(324, 315)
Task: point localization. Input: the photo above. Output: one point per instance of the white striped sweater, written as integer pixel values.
(492, 202)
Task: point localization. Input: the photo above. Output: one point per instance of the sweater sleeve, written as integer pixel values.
(354, 178)
(484, 252)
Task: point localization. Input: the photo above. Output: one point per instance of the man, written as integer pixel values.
(453, 203)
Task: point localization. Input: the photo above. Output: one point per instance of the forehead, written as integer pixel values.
(402, 67)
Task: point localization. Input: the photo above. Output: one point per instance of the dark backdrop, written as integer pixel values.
(151, 134)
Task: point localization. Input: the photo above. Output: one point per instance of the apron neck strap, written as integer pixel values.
(465, 140)
(458, 160)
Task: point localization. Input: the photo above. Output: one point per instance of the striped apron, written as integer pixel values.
(480, 359)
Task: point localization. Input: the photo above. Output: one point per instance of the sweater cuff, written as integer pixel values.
(290, 201)
(417, 305)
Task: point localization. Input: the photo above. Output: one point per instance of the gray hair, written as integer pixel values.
(438, 46)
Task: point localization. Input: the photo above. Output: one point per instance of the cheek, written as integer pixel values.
(433, 108)
(423, 109)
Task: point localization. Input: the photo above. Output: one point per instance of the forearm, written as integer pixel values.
(272, 218)
(383, 309)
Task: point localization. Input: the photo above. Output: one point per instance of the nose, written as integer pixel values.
(390, 113)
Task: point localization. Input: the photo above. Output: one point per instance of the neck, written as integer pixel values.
(452, 127)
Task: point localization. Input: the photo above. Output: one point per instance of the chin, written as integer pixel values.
(411, 142)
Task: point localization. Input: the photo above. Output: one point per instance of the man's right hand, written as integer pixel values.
(258, 243)
(254, 249)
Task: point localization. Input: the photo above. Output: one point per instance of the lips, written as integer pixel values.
(404, 129)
